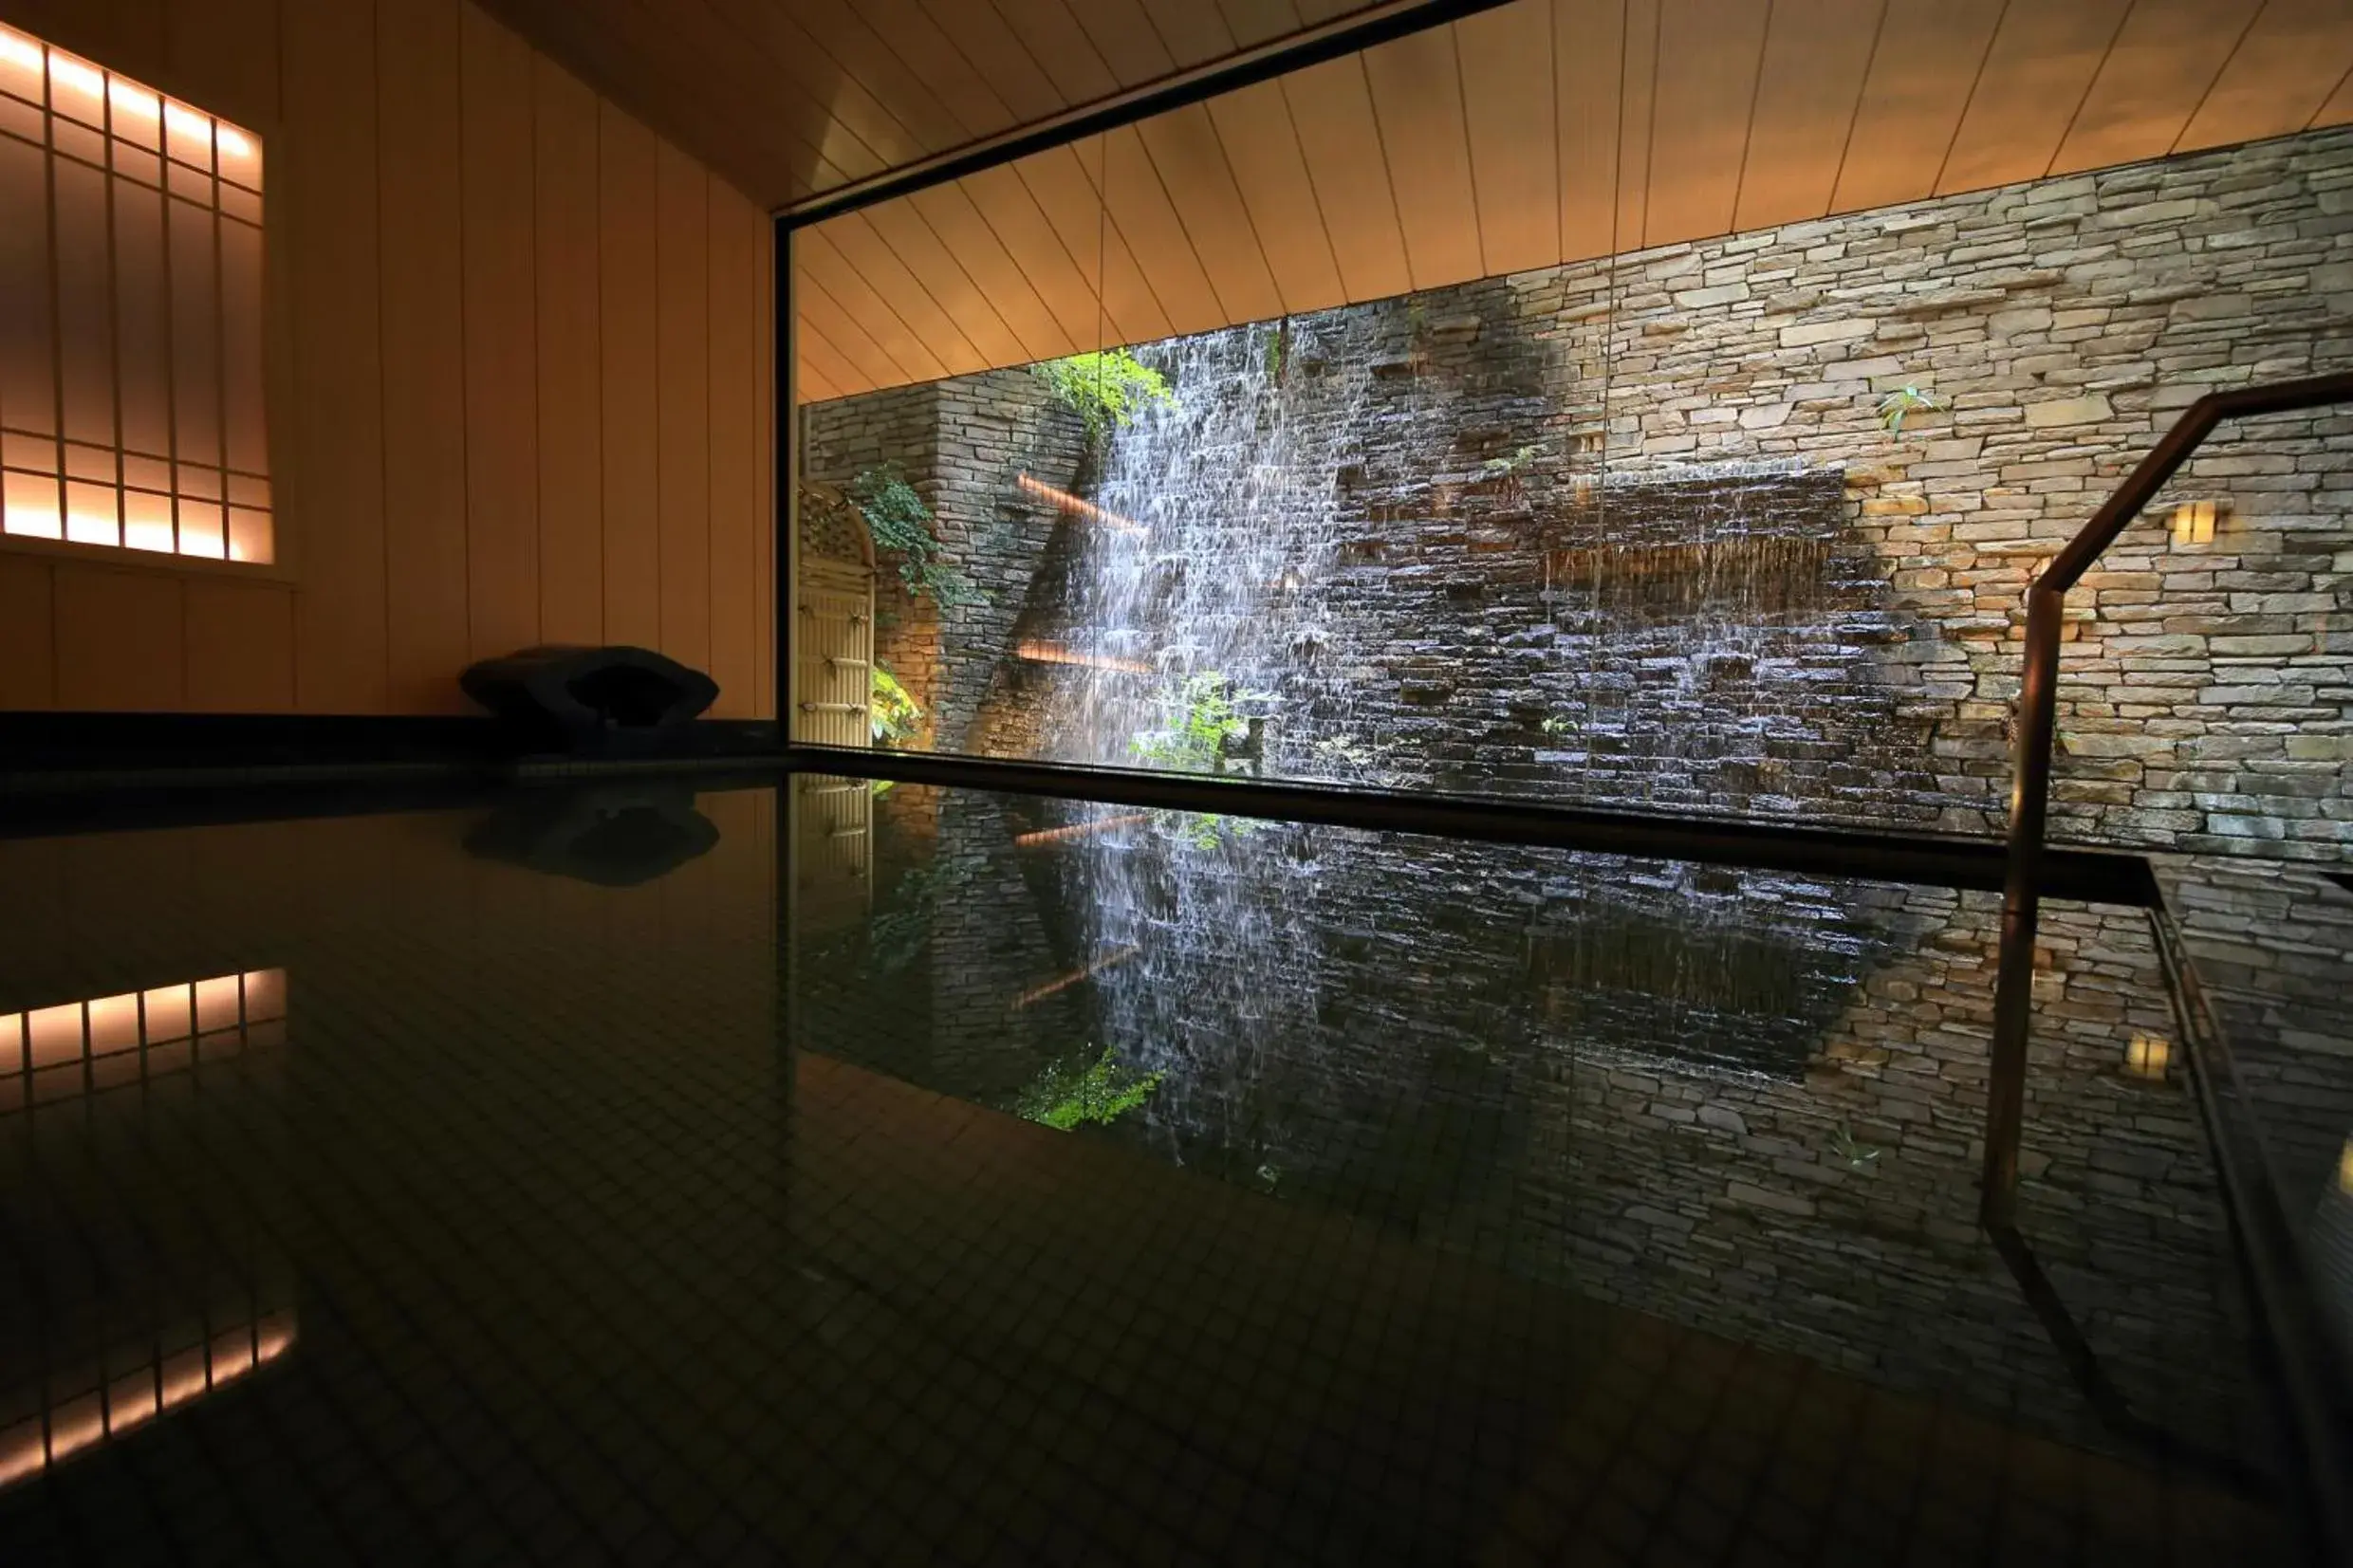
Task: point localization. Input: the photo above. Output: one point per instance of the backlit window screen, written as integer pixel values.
(130, 315)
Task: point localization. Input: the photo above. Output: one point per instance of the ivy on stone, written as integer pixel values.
(1106, 390)
(902, 526)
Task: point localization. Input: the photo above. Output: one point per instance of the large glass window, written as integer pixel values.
(1435, 419)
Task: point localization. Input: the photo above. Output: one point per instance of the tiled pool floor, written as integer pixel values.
(522, 1234)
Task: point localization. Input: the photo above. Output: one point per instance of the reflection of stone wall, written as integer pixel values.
(1760, 1113)
(2061, 322)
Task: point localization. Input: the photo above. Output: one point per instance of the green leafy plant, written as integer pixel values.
(891, 714)
(902, 526)
(1099, 1090)
(1903, 400)
(1857, 1156)
(1106, 390)
(1205, 722)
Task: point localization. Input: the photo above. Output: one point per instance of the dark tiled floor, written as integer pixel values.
(523, 1239)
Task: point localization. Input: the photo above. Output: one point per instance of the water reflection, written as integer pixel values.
(1741, 1099)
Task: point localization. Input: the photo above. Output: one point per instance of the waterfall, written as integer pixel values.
(1213, 524)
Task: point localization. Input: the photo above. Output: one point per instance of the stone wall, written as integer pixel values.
(960, 443)
(2060, 325)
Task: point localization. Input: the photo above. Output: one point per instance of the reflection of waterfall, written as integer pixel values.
(1234, 487)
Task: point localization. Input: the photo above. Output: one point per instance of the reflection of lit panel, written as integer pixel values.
(1064, 982)
(47, 1053)
(130, 1401)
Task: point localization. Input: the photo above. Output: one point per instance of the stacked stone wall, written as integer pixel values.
(2058, 325)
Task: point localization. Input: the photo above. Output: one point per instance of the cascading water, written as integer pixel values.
(1232, 493)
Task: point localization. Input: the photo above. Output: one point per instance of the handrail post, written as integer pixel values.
(2030, 791)
(2013, 995)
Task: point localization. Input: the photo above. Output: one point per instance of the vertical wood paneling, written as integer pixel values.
(1255, 126)
(1515, 142)
(28, 674)
(1061, 182)
(682, 266)
(1913, 99)
(1003, 199)
(240, 647)
(2155, 76)
(2285, 68)
(1142, 216)
(736, 516)
(502, 369)
(422, 288)
(1417, 87)
(1332, 109)
(626, 207)
(1700, 122)
(2036, 76)
(1590, 39)
(512, 333)
(1190, 162)
(333, 491)
(120, 640)
(947, 279)
(565, 236)
(1806, 93)
(949, 212)
(910, 300)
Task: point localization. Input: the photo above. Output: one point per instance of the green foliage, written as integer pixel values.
(1901, 402)
(1070, 1093)
(899, 933)
(1205, 721)
(891, 713)
(901, 525)
(1107, 389)
(1857, 1156)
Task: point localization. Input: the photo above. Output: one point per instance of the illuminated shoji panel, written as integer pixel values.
(49, 1053)
(130, 315)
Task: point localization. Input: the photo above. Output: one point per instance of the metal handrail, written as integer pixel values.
(2030, 793)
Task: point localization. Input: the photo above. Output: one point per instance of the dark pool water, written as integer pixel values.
(520, 1184)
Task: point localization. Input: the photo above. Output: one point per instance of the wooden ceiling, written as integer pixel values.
(790, 98)
(1539, 132)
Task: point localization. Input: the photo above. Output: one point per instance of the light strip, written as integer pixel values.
(1079, 830)
(1056, 653)
(1070, 506)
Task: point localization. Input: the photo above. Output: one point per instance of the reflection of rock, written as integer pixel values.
(614, 835)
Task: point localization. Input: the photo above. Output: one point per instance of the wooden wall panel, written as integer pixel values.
(27, 670)
(240, 647)
(630, 357)
(513, 368)
(569, 440)
(1417, 85)
(2041, 63)
(2282, 72)
(1699, 125)
(2156, 73)
(1332, 107)
(422, 301)
(119, 639)
(1192, 167)
(1254, 125)
(1922, 68)
(682, 262)
(1807, 88)
(334, 415)
(1514, 145)
(502, 363)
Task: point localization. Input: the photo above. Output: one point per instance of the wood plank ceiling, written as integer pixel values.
(1540, 132)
